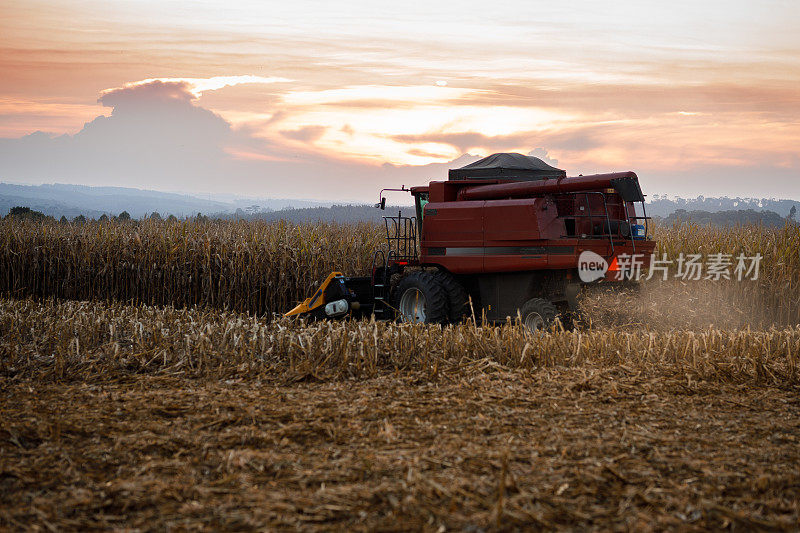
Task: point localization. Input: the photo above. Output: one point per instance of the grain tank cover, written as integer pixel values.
(507, 166)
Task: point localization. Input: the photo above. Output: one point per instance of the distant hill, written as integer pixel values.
(72, 200)
(661, 206)
(49, 207)
(345, 214)
(727, 218)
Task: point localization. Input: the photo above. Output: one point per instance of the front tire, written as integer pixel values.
(420, 298)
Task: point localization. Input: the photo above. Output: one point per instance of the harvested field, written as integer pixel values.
(553, 449)
(154, 418)
(82, 340)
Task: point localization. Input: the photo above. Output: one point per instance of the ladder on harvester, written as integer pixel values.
(380, 281)
(401, 237)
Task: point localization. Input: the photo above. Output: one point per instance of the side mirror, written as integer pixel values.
(382, 204)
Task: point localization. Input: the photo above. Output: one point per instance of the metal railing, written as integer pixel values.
(401, 234)
(606, 232)
(643, 217)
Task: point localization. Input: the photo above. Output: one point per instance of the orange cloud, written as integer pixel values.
(197, 86)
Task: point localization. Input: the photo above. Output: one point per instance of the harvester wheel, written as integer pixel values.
(419, 297)
(538, 314)
(457, 298)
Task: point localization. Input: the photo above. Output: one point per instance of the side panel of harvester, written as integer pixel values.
(519, 235)
(453, 236)
(471, 237)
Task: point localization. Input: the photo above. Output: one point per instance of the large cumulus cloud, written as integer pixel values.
(154, 135)
(158, 137)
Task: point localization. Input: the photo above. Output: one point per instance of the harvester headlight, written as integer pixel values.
(337, 308)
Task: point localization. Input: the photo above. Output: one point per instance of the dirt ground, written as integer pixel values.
(550, 449)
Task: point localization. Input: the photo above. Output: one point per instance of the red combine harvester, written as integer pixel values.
(505, 235)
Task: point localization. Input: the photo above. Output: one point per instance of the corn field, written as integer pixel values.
(250, 267)
(775, 297)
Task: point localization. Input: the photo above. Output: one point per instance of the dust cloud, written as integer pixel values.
(675, 305)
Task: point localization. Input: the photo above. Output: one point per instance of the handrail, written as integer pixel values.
(403, 244)
(591, 217)
(646, 218)
(628, 218)
(630, 226)
(374, 261)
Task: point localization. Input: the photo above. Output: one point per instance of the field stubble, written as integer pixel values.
(565, 449)
(160, 418)
(73, 340)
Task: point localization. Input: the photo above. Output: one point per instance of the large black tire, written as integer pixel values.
(457, 298)
(538, 314)
(421, 288)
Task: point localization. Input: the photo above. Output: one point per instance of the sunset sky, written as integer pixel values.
(334, 100)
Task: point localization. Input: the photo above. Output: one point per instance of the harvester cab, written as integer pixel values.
(501, 238)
